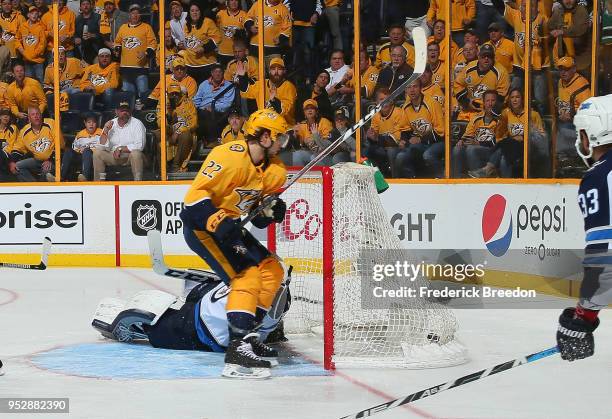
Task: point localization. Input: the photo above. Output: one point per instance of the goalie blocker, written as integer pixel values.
(195, 322)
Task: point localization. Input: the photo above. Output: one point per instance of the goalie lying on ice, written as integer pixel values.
(195, 322)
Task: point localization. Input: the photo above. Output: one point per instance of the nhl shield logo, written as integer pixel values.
(146, 216)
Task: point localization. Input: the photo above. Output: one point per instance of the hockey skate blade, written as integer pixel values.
(237, 372)
(273, 361)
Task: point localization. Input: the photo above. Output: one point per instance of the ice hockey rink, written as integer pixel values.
(50, 350)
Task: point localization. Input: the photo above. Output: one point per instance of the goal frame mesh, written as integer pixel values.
(326, 176)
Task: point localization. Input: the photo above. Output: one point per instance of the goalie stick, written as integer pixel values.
(46, 247)
(160, 267)
(454, 383)
(420, 52)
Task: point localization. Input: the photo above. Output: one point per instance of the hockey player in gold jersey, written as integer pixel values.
(233, 178)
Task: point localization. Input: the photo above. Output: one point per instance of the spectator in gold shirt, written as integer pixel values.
(32, 44)
(23, 93)
(36, 141)
(313, 135)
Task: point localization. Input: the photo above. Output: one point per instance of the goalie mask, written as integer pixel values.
(270, 120)
(594, 117)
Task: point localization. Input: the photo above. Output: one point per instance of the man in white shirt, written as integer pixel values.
(177, 21)
(124, 140)
(337, 76)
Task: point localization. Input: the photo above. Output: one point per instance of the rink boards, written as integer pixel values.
(101, 225)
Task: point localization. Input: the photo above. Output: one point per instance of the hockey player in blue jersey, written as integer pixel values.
(195, 322)
(593, 122)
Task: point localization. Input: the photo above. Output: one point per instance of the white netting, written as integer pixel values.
(414, 333)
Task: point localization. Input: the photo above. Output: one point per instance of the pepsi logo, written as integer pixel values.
(497, 225)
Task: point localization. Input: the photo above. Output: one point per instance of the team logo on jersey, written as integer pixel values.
(191, 42)
(62, 25)
(131, 42)
(468, 79)
(484, 135)
(439, 99)
(268, 21)
(180, 123)
(479, 90)
(421, 126)
(41, 145)
(229, 31)
(7, 36)
(146, 215)
(247, 197)
(497, 225)
(30, 40)
(97, 79)
(220, 293)
(516, 130)
(520, 39)
(563, 106)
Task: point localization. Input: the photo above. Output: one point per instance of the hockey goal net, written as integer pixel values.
(333, 215)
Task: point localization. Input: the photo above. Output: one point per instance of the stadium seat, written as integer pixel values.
(148, 118)
(71, 122)
(82, 101)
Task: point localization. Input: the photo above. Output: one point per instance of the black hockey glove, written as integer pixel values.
(575, 336)
(276, 210)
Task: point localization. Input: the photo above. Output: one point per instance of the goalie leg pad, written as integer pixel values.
(123, 321)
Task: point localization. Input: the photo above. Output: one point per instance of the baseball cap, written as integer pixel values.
(277, 61)
(176, 2)
(5, 111)
(215, 66)
(104, 51)
(134, 6)
(234, 111)
(178, 62)
(123, 104)
(495, 27)
(32, 8)
(566, 62)
(310, 102)
(486, 49)
(109, 1)
(342, 112)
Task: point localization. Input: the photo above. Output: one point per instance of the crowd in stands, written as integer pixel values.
(109, 71)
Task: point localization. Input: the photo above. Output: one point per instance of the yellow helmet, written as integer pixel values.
(270, 120)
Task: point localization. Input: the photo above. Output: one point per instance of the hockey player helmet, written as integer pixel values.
(270, 120)
(594, 117)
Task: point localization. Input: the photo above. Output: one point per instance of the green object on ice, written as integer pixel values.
(379, 179)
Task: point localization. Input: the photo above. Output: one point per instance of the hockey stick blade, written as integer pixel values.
(452, 384)
(420, 60)
(44, 258)
(159, 266)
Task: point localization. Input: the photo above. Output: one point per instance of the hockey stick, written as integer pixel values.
(159, 266)
(420, 44)
(44, 257)
(452, 384)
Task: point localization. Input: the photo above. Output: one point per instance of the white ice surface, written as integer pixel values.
(42, 310)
